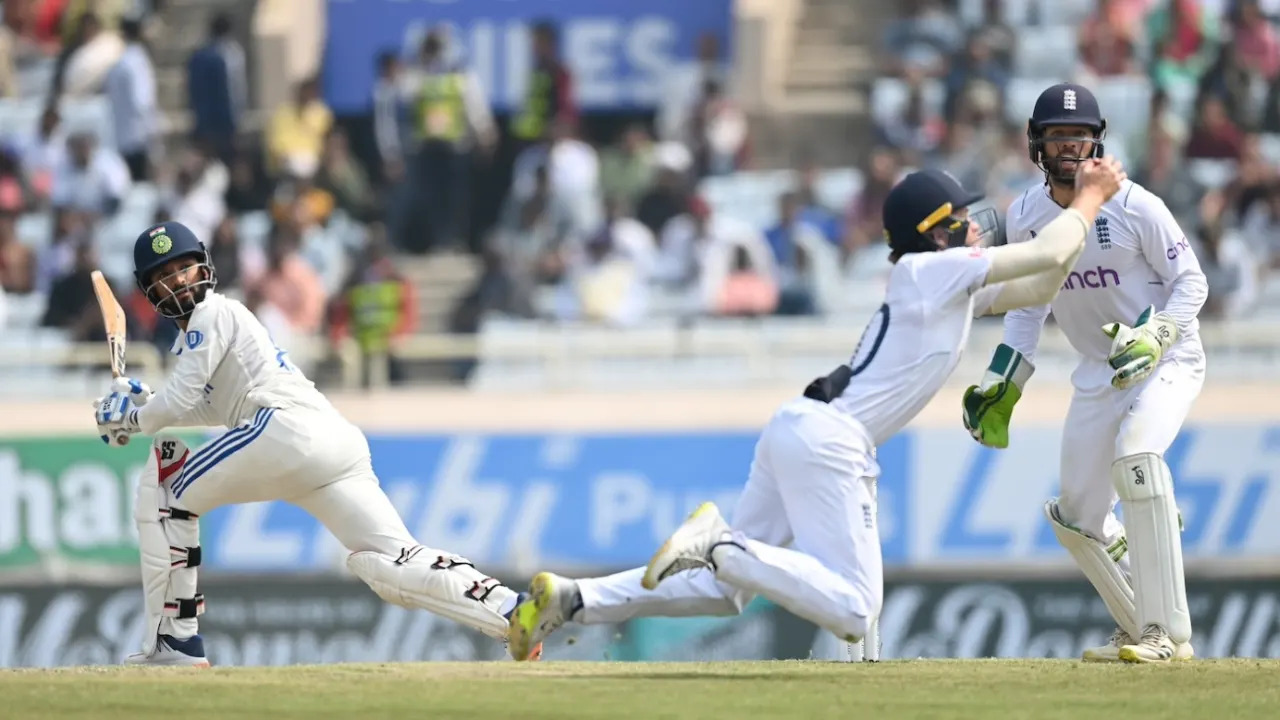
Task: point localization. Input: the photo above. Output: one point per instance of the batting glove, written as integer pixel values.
(1135, 351)
(117, 417)
(988, 407)
(138, 391)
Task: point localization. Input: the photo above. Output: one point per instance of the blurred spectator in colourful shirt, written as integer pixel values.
(217, 87)
(1214, 136)
(627, 168)
(1107, 40)
(298, 129)
(289, 284)
(1255, 40)
(376, 306)
(790, 240)
(1185, 38)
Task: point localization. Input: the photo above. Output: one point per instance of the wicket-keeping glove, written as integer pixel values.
(1135, 351)
(988, 407)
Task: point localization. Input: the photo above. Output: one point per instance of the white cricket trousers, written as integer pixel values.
(312, 458)
(809, 489)
(1106, 424)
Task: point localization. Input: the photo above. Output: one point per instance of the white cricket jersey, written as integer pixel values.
(914, 340)
(227, 368)
(1135, 256)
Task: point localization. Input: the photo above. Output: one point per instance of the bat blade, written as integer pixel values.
(114, 322)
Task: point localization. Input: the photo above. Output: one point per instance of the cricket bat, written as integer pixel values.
(113, 321)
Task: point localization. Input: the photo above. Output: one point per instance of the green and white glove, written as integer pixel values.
(988, 407)
(1135, 351)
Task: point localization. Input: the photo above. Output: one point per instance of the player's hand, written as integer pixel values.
(1135, 351)
(1100, 177)
(139, 393)
(117, 417)
(988, 407)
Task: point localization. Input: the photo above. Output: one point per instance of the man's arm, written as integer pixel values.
(386, 123)
(1038, 289)
(1033, 271)
(1137, 350)
(1023, 267)
(204, 345)
(1025, 320)
(1168, 252)
(478, 112)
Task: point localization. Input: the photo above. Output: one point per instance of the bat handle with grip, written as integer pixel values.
(119, 437)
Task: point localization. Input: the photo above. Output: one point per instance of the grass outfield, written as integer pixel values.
(938, 690)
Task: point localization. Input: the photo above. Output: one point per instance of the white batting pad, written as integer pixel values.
(169, 546)
(438, 582)
(797, 582)
(1155, 544)
(1100, 565)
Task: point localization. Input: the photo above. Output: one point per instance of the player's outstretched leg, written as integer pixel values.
(552, 600)
(797, 581)
(440, 582)
(399, 569)
(169, 545)
(1102, 566)
(1160, 591)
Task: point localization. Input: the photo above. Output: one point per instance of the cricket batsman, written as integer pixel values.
(1129, 308)
(285, 442)
(804, 532)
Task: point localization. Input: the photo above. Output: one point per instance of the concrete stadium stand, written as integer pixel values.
(467, 411)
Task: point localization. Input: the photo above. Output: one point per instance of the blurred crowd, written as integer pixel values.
(309, 217)
(307, 228)
(93, 169)
(1191, 89)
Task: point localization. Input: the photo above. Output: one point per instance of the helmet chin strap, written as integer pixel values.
(166, 301)
(958, 236)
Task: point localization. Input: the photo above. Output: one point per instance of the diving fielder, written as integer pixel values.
(1134, 385)
(286, 442)
(804, 531)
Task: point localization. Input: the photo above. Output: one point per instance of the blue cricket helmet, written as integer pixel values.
(159, 245)
(1064, 104)
(925, 200)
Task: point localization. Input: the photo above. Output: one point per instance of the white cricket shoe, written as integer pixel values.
(689, 547)
(173, 652)
(1156, 647)
(1111, 651)
(551, 601)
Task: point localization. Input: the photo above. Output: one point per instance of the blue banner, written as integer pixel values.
(621, 52)
(606, 501)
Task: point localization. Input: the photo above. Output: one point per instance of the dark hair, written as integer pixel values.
(547, 29)
(387, 59)
(220, 27)
(131, 29)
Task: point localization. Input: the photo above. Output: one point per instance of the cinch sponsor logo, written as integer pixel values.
(1099, 277)
(1177, 249)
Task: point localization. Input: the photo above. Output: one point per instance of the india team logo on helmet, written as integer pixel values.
(169, 286)
(160, 243)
